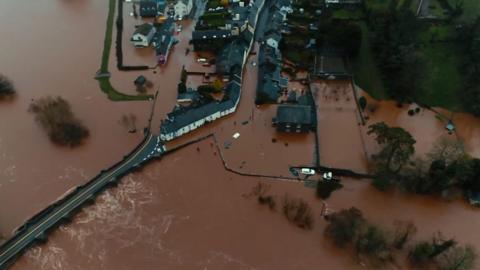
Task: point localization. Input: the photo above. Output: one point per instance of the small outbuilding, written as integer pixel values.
(140, 81)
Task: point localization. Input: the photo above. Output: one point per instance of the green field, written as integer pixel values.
(348, 14)
(367, 74)
(442, 81)
(377, 4)
(384, 4)
(471, 9)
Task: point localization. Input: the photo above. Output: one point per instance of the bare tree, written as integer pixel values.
(129, 122)
(447, 149)
(298, 212)
(404, 230)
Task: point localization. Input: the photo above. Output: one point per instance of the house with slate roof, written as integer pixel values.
(270, 82)
(206, 38)
(293, 118)
(143, 35)
(232, 56)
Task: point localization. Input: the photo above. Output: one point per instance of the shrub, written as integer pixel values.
(56, 117)
(325, 188)
(344, 226)
(382, 182)
(459, 258)
(403, 233)
(267, 200)
(298, 212)
(421, 253)
(373, 242)
(260, 191)
(362, 101)
(6, 87)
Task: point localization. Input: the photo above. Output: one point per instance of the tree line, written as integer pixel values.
(377, 246)
(447, 170)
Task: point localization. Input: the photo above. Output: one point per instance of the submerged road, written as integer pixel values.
(36, 228)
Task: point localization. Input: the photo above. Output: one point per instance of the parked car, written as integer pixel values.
(307, 171)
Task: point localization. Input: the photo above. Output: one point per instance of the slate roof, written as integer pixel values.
(148, 8)
(294, 114)
(270, 81)
(183, 117)
(144, 29)
(163, 37)
(231, 55)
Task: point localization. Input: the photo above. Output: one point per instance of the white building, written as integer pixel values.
(143, 35)
(182, 8)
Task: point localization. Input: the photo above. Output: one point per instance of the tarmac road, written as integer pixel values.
(36, 231)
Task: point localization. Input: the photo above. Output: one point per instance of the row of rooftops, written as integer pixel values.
(164, 37)
(152, 8)
(239, 17)
(270, 81)
(181, 117)
(232, 55)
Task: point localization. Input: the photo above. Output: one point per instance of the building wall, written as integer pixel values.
(140, 40)
(292, 128)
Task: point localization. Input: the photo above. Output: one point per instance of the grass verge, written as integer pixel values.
(104, 83)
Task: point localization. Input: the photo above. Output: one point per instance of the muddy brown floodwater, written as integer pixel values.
(186, 211)
(426, 127)
(54, 48)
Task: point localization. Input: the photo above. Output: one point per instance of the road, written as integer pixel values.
(35, 230)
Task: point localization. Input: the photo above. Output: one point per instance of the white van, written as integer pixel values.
(307, 171)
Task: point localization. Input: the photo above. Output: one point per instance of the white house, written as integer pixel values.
(182, 8)
(143, 35)
(273, 39)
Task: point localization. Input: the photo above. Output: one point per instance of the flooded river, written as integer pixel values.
(203, 218)
(185, 211)
(55, 49)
